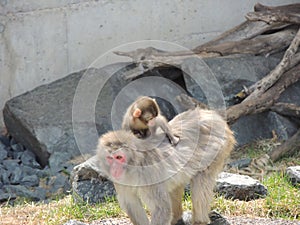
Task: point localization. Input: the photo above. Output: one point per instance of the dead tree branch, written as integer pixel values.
(286, 109)
(259, 45)
(266, 99)
(244, 31)
(289, 146)
(292, 8)
(272, 17)
(287, 62)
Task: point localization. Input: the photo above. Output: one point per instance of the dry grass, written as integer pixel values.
(28, 213)
(57, 212)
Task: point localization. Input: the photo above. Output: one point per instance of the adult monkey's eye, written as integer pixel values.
(119, 157)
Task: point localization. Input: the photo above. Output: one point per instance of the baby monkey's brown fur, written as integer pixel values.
(143, 117)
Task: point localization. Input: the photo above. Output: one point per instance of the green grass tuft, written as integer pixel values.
(283, 199)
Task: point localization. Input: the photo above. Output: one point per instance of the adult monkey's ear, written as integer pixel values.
(137, 113)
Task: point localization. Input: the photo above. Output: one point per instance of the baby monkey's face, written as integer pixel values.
(147, 116)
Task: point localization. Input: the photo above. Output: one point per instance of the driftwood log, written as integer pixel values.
(266, 31)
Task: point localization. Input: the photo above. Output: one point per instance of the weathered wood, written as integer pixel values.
(244, 31)
(286, 109)
(292, 8)
(287, 62)
(287, 147)
(266, 100)
(272, 17)
(150, 57)
(259, 45)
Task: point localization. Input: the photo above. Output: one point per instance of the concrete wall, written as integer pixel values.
(41, 41)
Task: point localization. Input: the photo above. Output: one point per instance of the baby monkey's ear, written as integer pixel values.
(137, 113)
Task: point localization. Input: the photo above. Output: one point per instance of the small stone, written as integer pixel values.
(4, 140)
(22, 191)
(30, 181)
(75, 222)
(40, 193)
(17, 147)
(293, 173)
(6, 196)
(3, 153)
(33, 171)
(10, 152)
(235, 186)
(241, 163)
(17, 155)
(28, 159)
(16, 175)
(58, 183)
(215, 218)
(11, 164)
(4, 176)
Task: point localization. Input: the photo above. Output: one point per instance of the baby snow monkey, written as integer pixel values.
(143, 117)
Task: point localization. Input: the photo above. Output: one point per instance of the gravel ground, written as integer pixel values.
(260, 221)
(233, 221)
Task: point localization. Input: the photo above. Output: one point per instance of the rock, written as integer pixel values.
(260, 126)
(4, 140)
(40, 193)
(11, 164)
(17, 147)
(4, 175)
(58, 162)
(48, 112)
(3, 152)
(35, 171)
(215, 218)
(234, 186)
(5, 196)
(241, 163)
(19, 190)
(28, 159)
(223, 77)
(30, 181)
(88, 184)
(59, 184)
(93, 191)
(293, 172)
(86, 170)
(75, 222)
(16, 175)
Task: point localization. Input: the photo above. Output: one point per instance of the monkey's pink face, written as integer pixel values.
(116, 162)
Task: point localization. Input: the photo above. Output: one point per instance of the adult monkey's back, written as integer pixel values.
(156, 173)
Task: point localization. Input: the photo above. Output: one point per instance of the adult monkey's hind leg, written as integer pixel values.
(176, 199)
(202, 194)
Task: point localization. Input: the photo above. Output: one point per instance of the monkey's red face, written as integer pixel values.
(116, 162)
